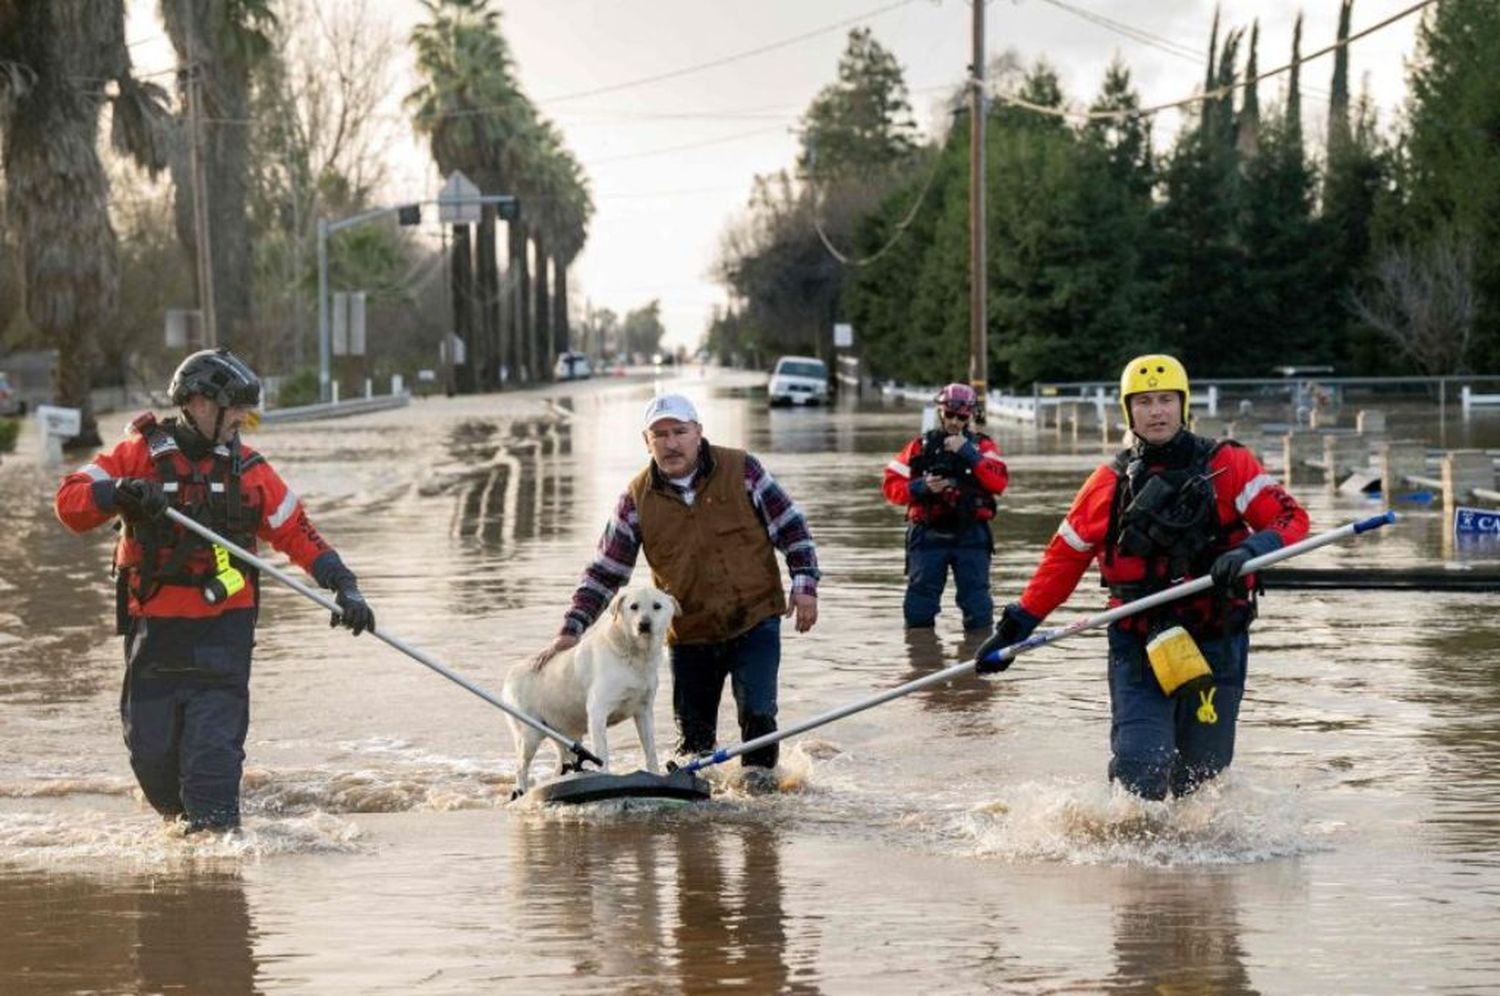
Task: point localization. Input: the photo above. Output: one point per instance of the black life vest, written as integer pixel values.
(211, 497)
(967, 501)
(1165, 512)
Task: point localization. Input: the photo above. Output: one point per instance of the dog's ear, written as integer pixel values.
(618, 604)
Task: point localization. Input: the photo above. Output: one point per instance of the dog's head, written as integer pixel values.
(644, 613)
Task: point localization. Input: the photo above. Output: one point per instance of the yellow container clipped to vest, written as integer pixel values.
(1177, 662)
(226, 581)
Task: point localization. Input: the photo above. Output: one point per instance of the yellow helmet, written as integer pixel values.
(1153, 372)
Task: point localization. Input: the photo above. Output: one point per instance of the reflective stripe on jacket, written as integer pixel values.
(989, 472)
(85, 501)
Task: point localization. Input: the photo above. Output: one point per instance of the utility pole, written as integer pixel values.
(979, 373)
(205, 258)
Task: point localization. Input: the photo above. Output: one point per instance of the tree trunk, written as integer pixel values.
(462, 270)
(523, 302)
(561, 332)
(544, 358)
(487, 359)
(200, 35)
(56, 188)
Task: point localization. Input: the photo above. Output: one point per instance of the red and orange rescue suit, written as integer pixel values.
(185, 704)
(1217, 497)
(950, 528)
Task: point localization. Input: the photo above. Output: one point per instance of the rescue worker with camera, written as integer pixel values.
(185, 606)
(948, 480)
(1173, 506)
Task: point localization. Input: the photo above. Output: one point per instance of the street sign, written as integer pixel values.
(458, 201)
(184, 328)
(1472, 523)
(357, 323)
(65, 423)
(843, 335)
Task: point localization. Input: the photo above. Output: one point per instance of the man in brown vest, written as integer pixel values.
(710, 519)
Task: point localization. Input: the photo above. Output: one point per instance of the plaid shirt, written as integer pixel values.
(620, 544)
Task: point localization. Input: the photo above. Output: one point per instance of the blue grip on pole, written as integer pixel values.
(717, 757)
(993, 657)
(1374, 522)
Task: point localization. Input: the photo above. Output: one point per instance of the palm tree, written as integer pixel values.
(478, 121)
(219, 43)
(57, 58)
(571, 208)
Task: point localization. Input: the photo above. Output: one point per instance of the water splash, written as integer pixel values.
(112, 842)
(1229, 821)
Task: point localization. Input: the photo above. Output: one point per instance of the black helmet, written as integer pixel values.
(219, 376)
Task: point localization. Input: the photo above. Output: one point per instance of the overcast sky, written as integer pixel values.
(671, 161)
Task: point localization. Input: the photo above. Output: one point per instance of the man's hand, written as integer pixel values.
(354, 613)
(139, 499)
(1228, 566)
(564, 641)
(1015, 625)
(935, 484)
(805, 607)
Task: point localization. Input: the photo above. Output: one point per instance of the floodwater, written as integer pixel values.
(959, 839)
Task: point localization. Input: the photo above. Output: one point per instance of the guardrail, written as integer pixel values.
(336, 409)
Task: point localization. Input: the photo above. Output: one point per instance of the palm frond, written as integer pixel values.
(143, 127)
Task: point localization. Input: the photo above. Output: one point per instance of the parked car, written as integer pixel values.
(572, 366)
(11, 403)
(799, 380)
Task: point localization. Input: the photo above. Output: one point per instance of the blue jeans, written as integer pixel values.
(751, 661)
(929, 554)
(1158, 743)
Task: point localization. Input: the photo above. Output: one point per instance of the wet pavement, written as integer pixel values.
(961, 838)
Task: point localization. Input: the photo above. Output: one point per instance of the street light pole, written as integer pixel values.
(509, 207)
(325, 342)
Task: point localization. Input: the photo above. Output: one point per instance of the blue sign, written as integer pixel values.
(1476, 522)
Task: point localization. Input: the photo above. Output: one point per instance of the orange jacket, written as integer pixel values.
(985, 460)
(86, 500)
(1247, 499)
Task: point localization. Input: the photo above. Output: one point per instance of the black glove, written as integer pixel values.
(354, 612)
(138, 499)
(1015, 625)
(1228, 566)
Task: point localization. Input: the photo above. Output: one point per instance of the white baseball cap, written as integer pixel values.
(668, 406)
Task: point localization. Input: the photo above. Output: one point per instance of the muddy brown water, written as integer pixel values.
(959, 839)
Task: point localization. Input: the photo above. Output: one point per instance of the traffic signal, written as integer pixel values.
(509, 210)
(409, 214)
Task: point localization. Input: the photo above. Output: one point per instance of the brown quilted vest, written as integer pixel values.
(713, 556)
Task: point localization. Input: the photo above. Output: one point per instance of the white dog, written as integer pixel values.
(611, 675)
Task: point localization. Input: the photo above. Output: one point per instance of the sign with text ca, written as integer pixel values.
(1473, 523)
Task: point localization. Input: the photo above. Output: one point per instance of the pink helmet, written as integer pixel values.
(959, 399)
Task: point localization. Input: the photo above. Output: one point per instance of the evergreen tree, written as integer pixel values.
(1451, 168)
(861, 125)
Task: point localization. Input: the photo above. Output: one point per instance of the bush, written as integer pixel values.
(10, 428)
(299, 389)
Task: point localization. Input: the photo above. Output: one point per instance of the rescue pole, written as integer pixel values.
(579, 751)
(1045, 637)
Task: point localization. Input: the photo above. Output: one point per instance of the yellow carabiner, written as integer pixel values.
(1206, 713)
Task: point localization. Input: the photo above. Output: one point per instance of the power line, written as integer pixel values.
(1134, 34)
(1216, 92)
(684, 148)
(900, 229)
(726, 60)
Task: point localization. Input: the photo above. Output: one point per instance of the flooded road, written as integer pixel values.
(960, 839)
